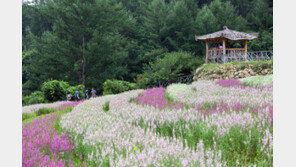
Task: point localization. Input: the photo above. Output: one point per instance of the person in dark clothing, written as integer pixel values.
(69, 96)
(93, 92)
(86, 94)
(77, 95)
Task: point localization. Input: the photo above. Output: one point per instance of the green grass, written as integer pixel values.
(26, 116)
(106, 106)
(29, 117)
(211, 67)
(44, 111)
(258, 80)
(232, 144)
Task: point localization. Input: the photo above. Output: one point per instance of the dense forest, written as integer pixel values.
(89, 41)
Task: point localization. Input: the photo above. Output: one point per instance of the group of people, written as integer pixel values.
(86, 95)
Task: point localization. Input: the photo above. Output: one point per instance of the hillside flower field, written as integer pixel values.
(36, 107)
(202, 124)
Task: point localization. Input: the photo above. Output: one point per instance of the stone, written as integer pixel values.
(245, 72)
(194, 78)
(264, 71)
(252, 72)
(241, 75)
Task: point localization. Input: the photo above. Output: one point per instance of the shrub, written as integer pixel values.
(35, 98)
(258, 80)
(168, 67)
(72, 90)
(208, 69)
(117, 86)
(174, 90)
(54, 90)
(27, 115)
(106, 106)
(43, 111)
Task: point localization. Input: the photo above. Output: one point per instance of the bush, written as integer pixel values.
(54, 90)
(117, 86)
(266, 80)
(106, 106)
(27, 115)
(168, 67)
(72, 90)
(35, 98)
(174, 90)
(43, 111)
(206, 70)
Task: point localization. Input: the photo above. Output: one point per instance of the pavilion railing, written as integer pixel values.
(215, 56)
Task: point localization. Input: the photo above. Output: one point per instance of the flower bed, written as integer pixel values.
(236, 130)
(41, 143)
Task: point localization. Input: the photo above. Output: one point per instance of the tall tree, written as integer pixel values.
(227, 15)
(155, 23)
(260, 16)
(180, 26)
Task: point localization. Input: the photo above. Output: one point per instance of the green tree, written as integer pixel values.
(155, 23)
(180, 26)
(260, 16)
(226, 15)
(168, 67)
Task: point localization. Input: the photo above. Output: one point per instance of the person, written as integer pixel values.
(86, 94)
(69, 96)
(77, 95)
(93, 92)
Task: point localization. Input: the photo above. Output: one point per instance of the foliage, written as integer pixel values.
(35, 98)
(256, 65)
(73, 89)
(54, 90)
(174, 89)
(28, 115)
(44, 111)
(235, 145)
(73, 41)
(230, 127)
(117, 86)
(266, 80)
(263, 42)
(44, 133)
(171, 66)
(106, 106)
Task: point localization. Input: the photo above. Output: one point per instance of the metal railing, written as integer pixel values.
(182, 79)
(240, 56)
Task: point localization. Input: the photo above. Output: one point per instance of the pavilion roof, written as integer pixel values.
(228, 35)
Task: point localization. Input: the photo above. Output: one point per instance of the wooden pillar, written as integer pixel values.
(224, 47)
(246, 49)
(207, 52)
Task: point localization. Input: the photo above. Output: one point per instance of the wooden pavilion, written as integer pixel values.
(222, 53)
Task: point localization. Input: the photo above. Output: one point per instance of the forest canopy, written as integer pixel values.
(90, 41)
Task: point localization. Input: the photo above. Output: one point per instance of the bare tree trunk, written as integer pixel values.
(243, 10)
(84, 60)
(79, 76)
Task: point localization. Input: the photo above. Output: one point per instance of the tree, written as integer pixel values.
(260, 16)
(33, 20)
(180, 26)
(155, 23)
(226, 15)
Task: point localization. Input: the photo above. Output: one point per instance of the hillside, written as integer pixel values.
(233, 70)
(204, 123)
